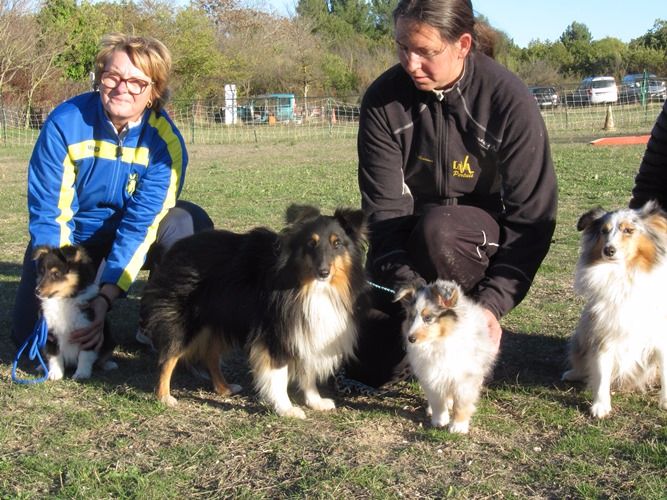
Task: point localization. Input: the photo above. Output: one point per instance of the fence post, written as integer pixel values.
(4, 123)
(192, 123)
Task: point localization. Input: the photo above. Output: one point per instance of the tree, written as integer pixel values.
(14, 45)
(576, 33)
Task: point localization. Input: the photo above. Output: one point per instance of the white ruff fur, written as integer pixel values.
(63, 316)
(620, 338)
(451, 369)
(327, 334)
(321, 339)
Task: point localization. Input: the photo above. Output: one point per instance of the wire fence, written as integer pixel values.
(263, 119)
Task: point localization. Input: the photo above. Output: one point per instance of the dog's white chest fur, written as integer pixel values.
(63, 316)
(327, 333)
(465, 354)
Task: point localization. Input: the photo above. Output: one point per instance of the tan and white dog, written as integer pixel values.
(620, 339)
(449, 349)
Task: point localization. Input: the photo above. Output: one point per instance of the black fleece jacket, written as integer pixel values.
(484, 144)
(651, 180)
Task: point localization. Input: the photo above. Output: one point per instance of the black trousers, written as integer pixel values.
(453, 242)
(184, 219)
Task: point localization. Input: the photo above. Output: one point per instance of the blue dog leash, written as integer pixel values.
(380, 287)
(37, 341)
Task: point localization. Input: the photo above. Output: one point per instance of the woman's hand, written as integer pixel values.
(92, 336)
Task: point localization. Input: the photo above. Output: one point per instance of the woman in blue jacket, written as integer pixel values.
(106, 173)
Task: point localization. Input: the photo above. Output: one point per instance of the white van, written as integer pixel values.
(600, 89)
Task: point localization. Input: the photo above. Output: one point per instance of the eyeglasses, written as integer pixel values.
(135, 86)
(423, 54)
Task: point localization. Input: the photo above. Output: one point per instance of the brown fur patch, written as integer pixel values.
(643, 254)
(65, 287)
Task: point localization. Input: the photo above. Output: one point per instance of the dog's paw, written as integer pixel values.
(322, 404)
(459, 427)
(168, 400)
(600, 409)
(55, 374)
(440, 420)
(291, 412)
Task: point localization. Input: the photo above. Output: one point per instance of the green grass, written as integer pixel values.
(531, 437)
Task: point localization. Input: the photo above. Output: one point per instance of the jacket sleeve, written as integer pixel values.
(385, 197)
(651, 180)
(529, 195)
(156, 194)
(52, 198)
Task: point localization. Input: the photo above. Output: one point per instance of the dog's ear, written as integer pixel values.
(40, 251)
(405, 295)
(353, 222)
(654, 217)
(74, 254)
(446, 293)
(589, 217)
(298, 213)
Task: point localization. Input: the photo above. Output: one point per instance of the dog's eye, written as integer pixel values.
(628, 230)
(312, 243)
(428, 318)
(605, 230)
(337, 243)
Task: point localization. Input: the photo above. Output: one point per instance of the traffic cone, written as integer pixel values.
(609, 119)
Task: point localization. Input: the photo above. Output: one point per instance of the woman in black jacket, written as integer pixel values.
(455, 169)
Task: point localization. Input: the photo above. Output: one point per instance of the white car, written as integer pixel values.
(600, 89)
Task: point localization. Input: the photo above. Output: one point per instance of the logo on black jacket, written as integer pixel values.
(462, 169)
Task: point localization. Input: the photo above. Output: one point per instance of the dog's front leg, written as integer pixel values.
(271, 382)
(600, 384)
(438, 407)
(56, 367)
(84, 365)
(272, 385)
(308, 384)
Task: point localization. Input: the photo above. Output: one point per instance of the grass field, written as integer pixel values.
(531, 438)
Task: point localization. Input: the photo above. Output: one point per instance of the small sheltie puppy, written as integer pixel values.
(449, 349)
(621, 273)
(288, 298)
(65, 286)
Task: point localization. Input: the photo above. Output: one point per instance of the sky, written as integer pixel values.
(526, 20)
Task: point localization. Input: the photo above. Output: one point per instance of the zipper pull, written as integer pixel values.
(119, 151)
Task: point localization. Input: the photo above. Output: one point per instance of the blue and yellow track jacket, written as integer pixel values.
(87, 186)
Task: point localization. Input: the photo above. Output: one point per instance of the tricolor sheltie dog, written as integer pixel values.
(621, 273)
(449, 349)
(288, 298)
(65, 286)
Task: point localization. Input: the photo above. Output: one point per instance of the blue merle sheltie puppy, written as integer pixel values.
(621, 274)
(65, 286)
(449, 349)
(289, 298)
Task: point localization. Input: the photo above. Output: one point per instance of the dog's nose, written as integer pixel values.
(323, 273)
(609, 251)
(412, 339)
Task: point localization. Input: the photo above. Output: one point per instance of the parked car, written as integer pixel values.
(638, 86)
(594, 90)
(546, 97)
